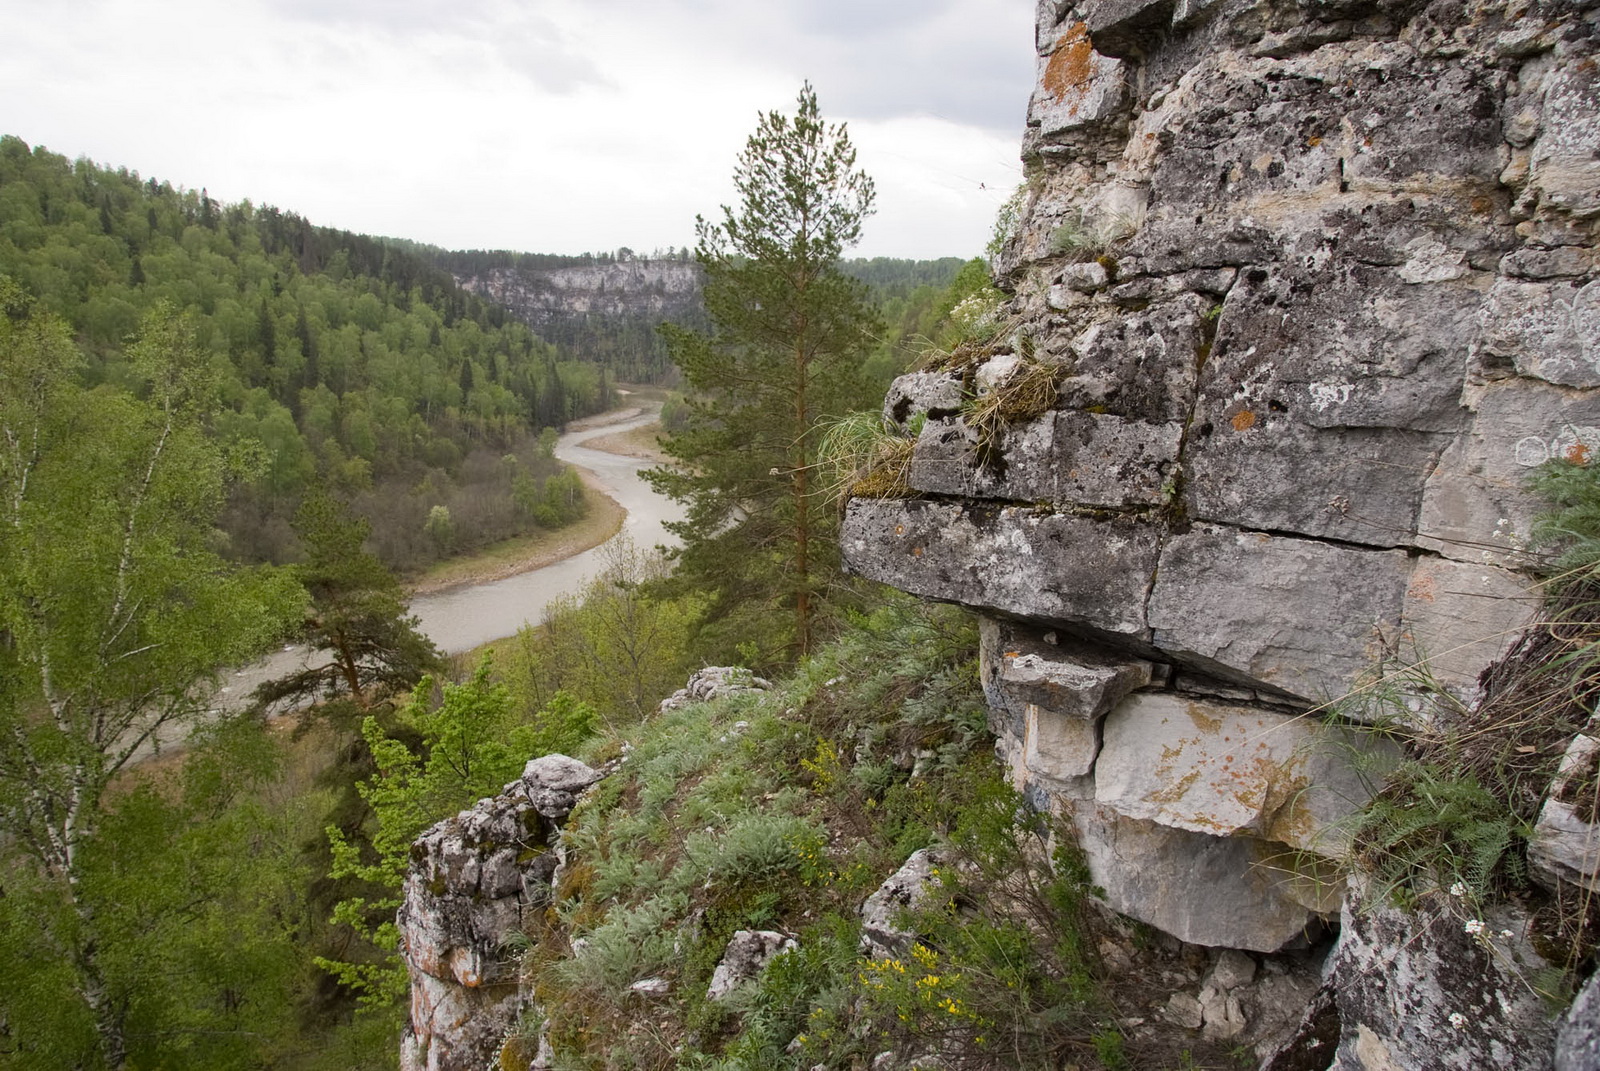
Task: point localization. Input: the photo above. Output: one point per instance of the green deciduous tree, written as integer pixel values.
(115, 612)
(791, 331)
(619, 644)
(472, 744)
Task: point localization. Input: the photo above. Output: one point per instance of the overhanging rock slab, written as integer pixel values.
(1031, 563)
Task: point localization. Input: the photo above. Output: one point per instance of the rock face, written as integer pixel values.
(1317, 286)
(747, 955)
(1448, 997)
(559, 300)
(472, 880)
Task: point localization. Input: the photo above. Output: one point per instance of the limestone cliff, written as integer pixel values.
(606, 311)
(1312, 286)
(651, 289)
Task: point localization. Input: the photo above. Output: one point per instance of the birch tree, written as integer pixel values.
(115, 610)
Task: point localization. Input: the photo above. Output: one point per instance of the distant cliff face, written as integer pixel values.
(653, 289)
(1315, 286)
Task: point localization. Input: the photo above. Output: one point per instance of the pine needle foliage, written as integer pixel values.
(791, 333)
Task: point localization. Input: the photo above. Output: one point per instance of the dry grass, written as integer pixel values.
(1026, 394)
(860, 455)
(1536, 699)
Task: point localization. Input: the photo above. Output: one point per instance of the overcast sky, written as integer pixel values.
(543, 125)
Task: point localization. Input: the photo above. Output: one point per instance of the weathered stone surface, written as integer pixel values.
(1078, 87)
(1474, 506)
(1107, 461)
(1034, 563)
(1140, 366)
(1545, 330)
(747, 954)
(912, 887)
(1025, 667)
(1201, 889)
(1578, 1041)
(471, 880)
(1344, 388)
(1085, 278)
(1255, 607)
(1055, 747)
(1400, 976)
(1565, 167)
(1227, 770)
(1090, 459)
(1565, 846)
(933, 395)
(552, 783)
(1232, 970)
(1460, 617)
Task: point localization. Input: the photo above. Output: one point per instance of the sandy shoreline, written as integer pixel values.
(604, 520)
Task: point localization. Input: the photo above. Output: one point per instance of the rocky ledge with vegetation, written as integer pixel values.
(1271, 483)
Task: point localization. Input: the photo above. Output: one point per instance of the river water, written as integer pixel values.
(461, 618)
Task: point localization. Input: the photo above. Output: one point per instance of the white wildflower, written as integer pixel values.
(1458, 1020)
(1475, 927)
(1458, 889)
(1507, 934)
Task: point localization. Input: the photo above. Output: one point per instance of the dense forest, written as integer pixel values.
(355, 362)
(345, 360)
(191, 395)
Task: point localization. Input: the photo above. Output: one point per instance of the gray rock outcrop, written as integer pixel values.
(713, 682)
(1316, 287)
(883, 930)
(746, 956)
(473, 881)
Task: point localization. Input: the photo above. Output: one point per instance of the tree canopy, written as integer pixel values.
(116, 612)
(791, 332)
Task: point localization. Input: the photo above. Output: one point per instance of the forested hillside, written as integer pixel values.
(609, 306)
(345, 359)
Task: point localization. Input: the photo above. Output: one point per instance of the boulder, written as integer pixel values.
(746, 956)
(911, 888)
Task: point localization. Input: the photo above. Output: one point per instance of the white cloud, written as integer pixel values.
(562, 126)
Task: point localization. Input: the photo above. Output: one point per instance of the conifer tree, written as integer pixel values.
(790, 331)
(356, 615)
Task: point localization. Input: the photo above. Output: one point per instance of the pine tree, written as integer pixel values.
(790, 331)
(357, 615)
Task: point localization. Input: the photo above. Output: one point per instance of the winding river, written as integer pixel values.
(461, 618)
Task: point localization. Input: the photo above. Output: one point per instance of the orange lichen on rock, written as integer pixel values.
(1071, 65)
(1244, 420)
